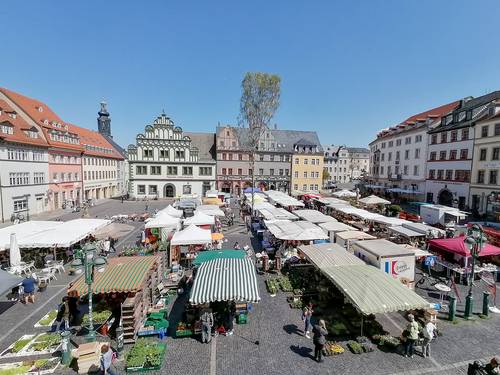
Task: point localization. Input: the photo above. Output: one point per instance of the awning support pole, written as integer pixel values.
(362, 319)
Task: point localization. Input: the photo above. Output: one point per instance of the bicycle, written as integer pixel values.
(427, 281)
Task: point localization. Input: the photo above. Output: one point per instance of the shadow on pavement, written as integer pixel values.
(302, 351)
(292, 328)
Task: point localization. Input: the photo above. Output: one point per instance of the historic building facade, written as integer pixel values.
(167, 162)
(345, 164)
(307, 166)
(451, 150)
(398, 155)
(24, 168)
(272, 166)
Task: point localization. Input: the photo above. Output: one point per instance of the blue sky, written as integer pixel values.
(348, 68)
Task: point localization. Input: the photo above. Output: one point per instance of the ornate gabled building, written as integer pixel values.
(167, 162)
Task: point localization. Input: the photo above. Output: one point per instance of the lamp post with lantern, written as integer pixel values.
(87, 259)
(475, 241)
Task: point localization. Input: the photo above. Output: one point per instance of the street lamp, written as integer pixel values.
(475, 241)
(87, 258)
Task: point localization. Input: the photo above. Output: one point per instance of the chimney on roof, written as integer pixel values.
(104, 121)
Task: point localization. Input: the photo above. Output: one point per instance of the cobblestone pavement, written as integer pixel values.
(272, 341)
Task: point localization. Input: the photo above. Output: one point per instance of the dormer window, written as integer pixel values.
(7, 129)
(13, 114)
(40, 109)
(31, 133)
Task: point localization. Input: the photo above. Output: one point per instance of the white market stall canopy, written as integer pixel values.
(372, 291)
(373, 200)
(22, 230)
(405, 232)
(389, 220)
(329, 255)
(64, 235)
(273, 213)
(329, 200)
(257, 198)
(384, 248)
(283, 199)
(335, 226)
(192, 235)
(163, 220)
(423, 228)
(313, 216)
(418, 252)
(354, 235)
(225, 280)
(210, 209)
(171, 211)
(297, 230)
(263, 205)
(345, 194)
(200, 218)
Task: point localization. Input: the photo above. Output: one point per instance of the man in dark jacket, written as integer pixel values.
(319, 340)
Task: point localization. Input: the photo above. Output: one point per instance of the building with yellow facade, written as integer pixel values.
(307, 166)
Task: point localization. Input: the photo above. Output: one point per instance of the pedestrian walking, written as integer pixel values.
(319, 340)
(306, 318)
(207, 322)
(28, 286)
(429, 334)
(107, 360)
(237, 246)
(411, 335)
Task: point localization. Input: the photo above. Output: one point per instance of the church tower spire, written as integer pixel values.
(104, 121)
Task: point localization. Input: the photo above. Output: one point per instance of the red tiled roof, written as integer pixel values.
(435, 112)
(412, 120)
(19, 126)
(40, 113)
(93, 138)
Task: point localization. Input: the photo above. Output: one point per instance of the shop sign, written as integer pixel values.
(396, 267)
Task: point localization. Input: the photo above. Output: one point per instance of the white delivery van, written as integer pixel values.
(444, 215)
(393, 259)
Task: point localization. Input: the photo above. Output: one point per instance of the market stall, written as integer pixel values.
(395, 260)
(333, 227)
(373, 200)
(344, 194)
(25, 229)
(424, 229)
(347, 238)
(206, 256)
(313, 216)
(201, 219)
(328, 255)
(226, 287)
(129, 282)
(401, 234)
(187, 242)
(211, 210)
(171, 211)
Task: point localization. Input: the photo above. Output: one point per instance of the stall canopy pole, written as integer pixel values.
(362, 320)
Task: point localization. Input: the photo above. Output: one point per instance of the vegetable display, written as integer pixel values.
(20, 370)
(272, 286)
(97, 317)
(20, 344)
(145, 354)
(46, 341)
(333, 348)
(48, 319)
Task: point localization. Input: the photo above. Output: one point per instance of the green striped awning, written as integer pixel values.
(205, 256)
(122, 274)
(225, 280)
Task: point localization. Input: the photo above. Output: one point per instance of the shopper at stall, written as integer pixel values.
(319, 340)
(28, 285)
(62, 319)
(411, 335)
(230, 314)
(429, 331)
(207, 322)
(106, 360)
(306, 318)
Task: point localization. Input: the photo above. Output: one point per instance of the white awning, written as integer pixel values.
(163, 221)
(345, 194)
(388, 220)
(283, 199)
(373, 200)
(405, 231)
(313, 216)
(274, 213)
(171, 211)
(192, 235)
(329, 255)
(297, 230)
(423, 228)
(22, 230)
(211, 210)
(200, 218)
(335, 226)
(354, 235)
(64, 235)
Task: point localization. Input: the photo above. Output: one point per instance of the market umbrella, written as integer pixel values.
(15, 253)
(344, 194)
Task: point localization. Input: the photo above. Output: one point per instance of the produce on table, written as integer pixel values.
(333, 348)
(97, 317)
(46, 341)
(48, 320)
(21, 370)
(45, 364)
(355, 347)
(20, 344)
(272, 286)
(285, 284)
(145, 353)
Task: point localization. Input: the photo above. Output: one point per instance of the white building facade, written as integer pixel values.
(345, 164)
(167, 162)
(398, 155)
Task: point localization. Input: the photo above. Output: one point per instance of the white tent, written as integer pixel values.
(392, 221)
(15, 253)
(22, 230)
(313, 216)
(373, 200)
(210, 209)
(164, 221)
(345, 194)
(192, 235)
(297, 230)
(171, 211)
(335, 226)
(200, 218)
(64, 235)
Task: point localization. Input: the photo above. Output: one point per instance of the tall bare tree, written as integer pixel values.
(260, 99)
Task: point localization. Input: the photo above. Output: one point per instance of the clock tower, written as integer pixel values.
(104, 121)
